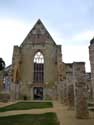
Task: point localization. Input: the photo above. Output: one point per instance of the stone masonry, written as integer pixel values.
(91, 57)
(81, 105)
(24, 72)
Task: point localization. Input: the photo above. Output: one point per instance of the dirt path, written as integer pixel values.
(67, 117)
(2, 104)
(30, 111)
(58, 108)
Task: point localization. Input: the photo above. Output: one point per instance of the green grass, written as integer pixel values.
(91, 109)
(91, 106)
(30, 119)
(26, 106)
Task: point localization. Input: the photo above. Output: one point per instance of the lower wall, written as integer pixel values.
(23, 91)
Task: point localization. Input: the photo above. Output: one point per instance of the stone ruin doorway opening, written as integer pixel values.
(38, 93)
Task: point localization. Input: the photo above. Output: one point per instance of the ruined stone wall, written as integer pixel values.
(73, 86)
(1, 80)
(5, 84)
(59, 63)
(69, 85)
(49, 52)
(65, 85)
(81, 97)
(15, 73)
(38, 40)
(91, 57)
(16, 61)
(89, 86)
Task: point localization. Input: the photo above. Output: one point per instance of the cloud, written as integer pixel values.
(81, 37)
(76, 48)
(76, 54)
(12, 32)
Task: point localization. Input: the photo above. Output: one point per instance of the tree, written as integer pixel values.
(2, 64)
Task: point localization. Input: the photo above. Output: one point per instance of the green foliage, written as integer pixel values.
(2, 64)
(91, 106)
(27, 105)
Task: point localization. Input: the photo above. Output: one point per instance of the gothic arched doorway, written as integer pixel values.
(38, 75)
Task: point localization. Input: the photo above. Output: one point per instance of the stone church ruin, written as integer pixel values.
(38, 72)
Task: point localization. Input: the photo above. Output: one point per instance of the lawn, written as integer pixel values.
(26, 106)
(30, 119)
(91, 106)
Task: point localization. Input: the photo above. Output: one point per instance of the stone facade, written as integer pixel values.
(38, 40)
(89, 86)
(5, 84)
(91, 57)
(80, 92)
(1, 80)
(67, 85)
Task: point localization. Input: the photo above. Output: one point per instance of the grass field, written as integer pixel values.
(91, 106)
(30, 119)
(26, 106)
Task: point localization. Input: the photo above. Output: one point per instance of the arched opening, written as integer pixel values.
(38, 75)
(38, 68)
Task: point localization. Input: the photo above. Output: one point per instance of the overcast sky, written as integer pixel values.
(70, 22)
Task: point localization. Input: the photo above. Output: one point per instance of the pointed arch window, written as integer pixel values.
(38, 68)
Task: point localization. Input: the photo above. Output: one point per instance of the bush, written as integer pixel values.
(25, 97)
